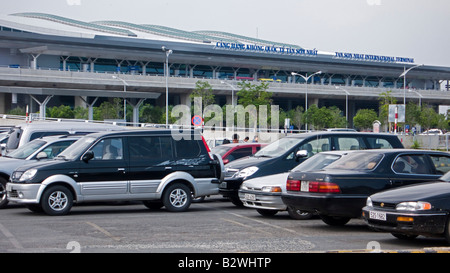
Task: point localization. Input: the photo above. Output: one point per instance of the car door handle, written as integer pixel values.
(121, 170)
(168, 168)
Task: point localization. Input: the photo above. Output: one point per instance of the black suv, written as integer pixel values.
(159, 167)
(288, 152)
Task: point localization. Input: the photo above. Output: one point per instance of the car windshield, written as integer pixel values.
(27, 149)
(317, 162)
(279, 147)
(76, 149)
(357, 161)
(221, 150)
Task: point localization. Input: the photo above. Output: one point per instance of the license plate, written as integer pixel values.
(304, 186)
(250, 197)
(377, 215)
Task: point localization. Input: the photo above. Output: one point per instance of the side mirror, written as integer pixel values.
(41, 155)
(301, 154)
(88, 156)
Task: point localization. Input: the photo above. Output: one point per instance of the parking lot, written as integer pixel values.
(213, 226)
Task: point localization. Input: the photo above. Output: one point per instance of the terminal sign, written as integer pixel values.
(375, 58)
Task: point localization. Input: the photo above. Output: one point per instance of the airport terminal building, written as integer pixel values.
(48, 60)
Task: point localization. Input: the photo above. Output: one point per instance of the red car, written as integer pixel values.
(233, 151)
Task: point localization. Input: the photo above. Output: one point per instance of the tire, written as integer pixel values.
(57, 200)
(447, 231)
(267, 212)
(299, 214)
(3, 195)
(237, 202)
(177, 198)
(335, 220)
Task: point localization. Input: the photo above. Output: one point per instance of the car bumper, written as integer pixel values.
(230, 187)
(23, 193)
(327, 204)
(260, 200)
(423, 223)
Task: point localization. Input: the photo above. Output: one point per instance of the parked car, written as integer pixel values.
(339, 191)
(150, 165)
(233, 151)
(432, 132)
(408, 212)
(24, 133)
(38, 149)
(286, 153)
(264, 193)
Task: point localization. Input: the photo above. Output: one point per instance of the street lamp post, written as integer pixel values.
(306, 78)
(125, 84)
(404, 80)
(232, 91)
(166, 73)
(346, 104)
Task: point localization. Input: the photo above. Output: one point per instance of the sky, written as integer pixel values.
(400, 28)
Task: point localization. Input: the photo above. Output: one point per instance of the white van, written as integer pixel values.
(24, 133)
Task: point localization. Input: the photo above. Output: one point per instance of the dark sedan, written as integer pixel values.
(408, 212)
(339, 191)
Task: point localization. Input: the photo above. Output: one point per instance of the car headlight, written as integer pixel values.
(27, 175)
(413, 206)
(271, 189)
(247, 172)
(369, 202)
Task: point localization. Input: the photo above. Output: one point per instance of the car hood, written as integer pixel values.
(41, 164)
(422, 192)
(8, 166)
(269, 180)
(248, 162)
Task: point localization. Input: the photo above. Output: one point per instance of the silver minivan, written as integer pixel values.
(24, 133)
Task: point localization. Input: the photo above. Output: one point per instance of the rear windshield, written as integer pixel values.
(357, 161)
(317, 162)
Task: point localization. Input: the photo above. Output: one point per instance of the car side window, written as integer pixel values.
(350, 143)
(150, 148)
(187, 149)
(108, 149)
(379, 143)
(412, 164)
(441, 163)
(313, 147)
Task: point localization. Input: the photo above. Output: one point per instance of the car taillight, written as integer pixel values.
(293, 185)
(323, 187)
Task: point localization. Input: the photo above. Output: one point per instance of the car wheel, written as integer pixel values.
(267, 212)
(299, 214)
(405, 237)
(3, 195)
(57, 200)
(236, 201)
(177, 198)
(334, 220)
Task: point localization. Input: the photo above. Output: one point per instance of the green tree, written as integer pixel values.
(108, 110)
(204, 91)
(81, 112)
(364, 119)
(253, 94)
(62, 111)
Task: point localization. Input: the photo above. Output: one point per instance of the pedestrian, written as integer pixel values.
(235, 138)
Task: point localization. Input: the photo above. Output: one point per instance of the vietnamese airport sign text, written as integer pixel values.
(308, 52)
